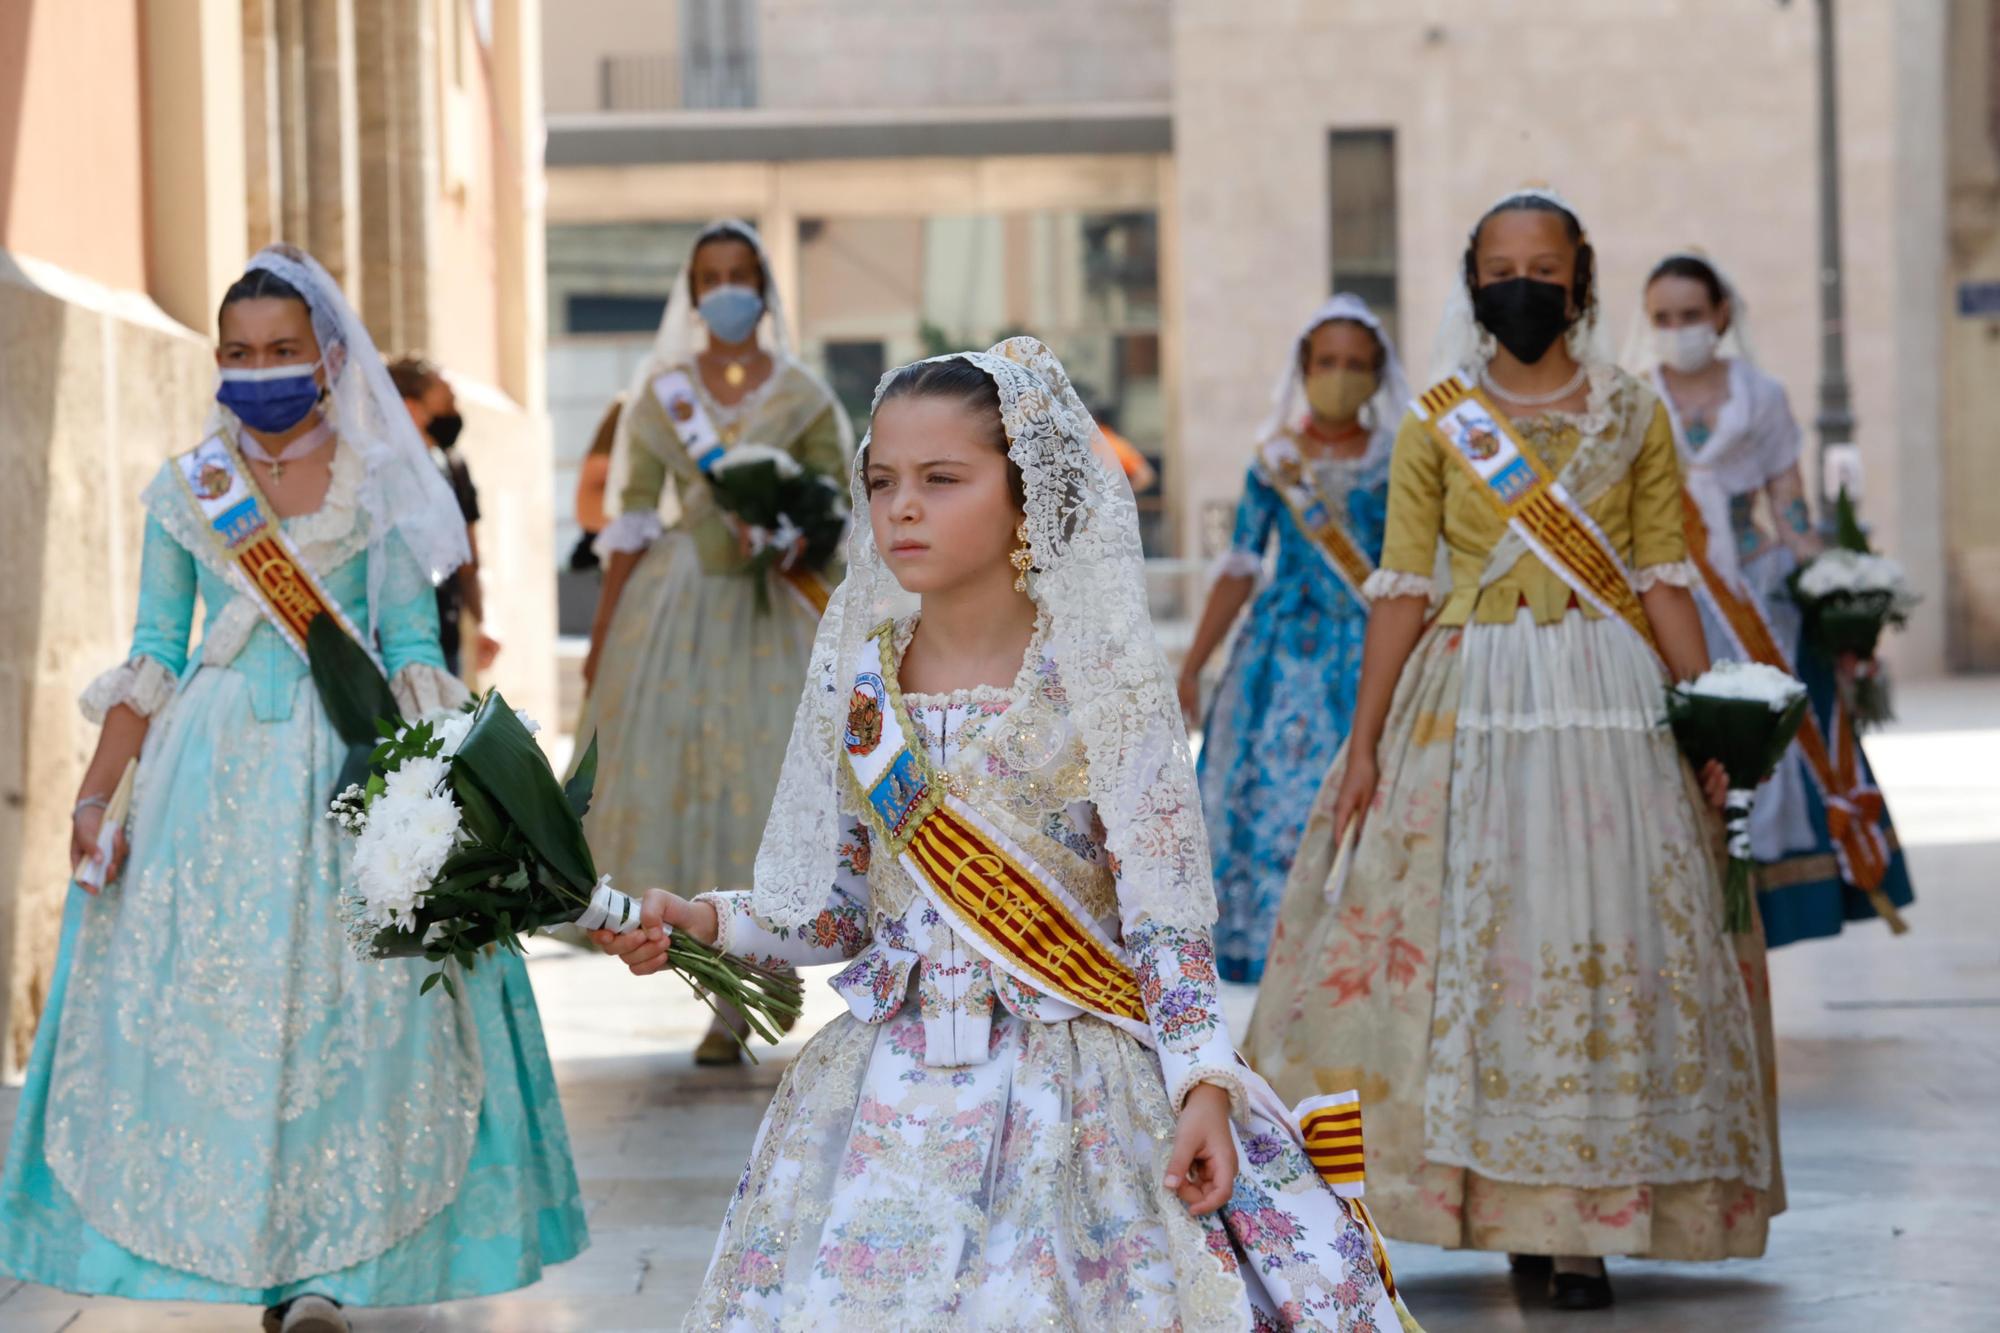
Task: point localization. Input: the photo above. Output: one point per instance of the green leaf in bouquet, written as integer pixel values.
(481, 813)
(502, 756)
(583, 782)
(1847, 524)
(350, 685)
(1743, 735)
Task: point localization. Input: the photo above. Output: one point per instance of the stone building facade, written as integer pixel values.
(1286, 146)
(147, 147)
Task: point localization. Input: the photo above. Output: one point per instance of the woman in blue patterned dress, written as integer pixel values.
(1286, 697)
(226, 1103)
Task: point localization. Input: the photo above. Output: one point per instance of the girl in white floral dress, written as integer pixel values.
(1032, 1115)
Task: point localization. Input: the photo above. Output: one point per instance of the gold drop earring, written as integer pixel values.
(1022, 559)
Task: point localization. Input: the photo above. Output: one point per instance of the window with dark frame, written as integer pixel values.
(1361, 214)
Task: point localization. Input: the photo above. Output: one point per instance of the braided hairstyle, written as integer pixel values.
(1583, 284)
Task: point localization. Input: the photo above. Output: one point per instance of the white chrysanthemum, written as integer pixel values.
(1746, 680)
(410, 833)
(528, 722)
(745, 455)
(418, 775)
(1843, 571)
(451, 728)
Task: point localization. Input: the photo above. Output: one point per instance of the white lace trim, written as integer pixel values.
(1561, 718)
(421, 689)
(629, 534)
(1236, 564)
(142, 685)
(1226, 1079)
(725, 912)
(972, 695)
(1386, 583)
(333, 534)
(1676, 574)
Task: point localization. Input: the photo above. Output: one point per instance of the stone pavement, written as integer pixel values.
(1889, 1055)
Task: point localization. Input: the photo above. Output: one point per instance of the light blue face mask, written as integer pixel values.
(731, 312)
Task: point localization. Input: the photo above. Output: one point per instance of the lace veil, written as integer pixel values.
(1116, 694)
(403, 490)
(1735, 344)
(1463, 347)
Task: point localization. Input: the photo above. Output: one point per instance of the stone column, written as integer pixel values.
(333, 166)
(522, 266)
(192, 55)
(263, 186)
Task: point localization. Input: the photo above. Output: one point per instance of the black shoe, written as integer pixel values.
(1536, 1267)
(1579, 1291)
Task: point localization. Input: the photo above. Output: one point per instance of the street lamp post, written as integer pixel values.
(1835, 422)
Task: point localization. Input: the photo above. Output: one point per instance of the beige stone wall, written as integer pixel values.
(851, 54)
(120, 191)
(101, 389)
(854, 54)
(1667, 124)
(1972, 471)
(91, 221)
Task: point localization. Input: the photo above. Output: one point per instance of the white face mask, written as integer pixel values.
(1687, 349)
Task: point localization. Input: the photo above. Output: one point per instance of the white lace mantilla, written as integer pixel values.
(1117, 694)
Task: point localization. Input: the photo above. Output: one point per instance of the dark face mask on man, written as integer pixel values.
(444, 429)
(1525, 314)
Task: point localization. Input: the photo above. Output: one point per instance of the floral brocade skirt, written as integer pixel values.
(1021, 1193)
(1558, 1048)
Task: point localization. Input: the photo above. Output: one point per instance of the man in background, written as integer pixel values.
(432, 405)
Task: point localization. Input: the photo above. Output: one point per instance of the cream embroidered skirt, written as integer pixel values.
(1559, 1050)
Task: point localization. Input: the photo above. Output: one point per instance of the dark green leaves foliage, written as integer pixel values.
(758, 495)
(351, 687)
(523, 864)
(1743, 735)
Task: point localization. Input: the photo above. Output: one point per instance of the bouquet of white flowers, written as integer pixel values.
(1847, 594)
(1742, 715)
(794, 518)
(464, 839)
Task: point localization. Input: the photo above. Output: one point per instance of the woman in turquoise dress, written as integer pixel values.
(1748, 523)
(226, 1102)
(1286, 697)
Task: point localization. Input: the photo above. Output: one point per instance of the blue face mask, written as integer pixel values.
(270, 401)
(732, 312)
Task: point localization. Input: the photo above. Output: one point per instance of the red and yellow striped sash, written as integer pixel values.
(246, 534)
(990, 890)
(1530, 500)
(1852, 810)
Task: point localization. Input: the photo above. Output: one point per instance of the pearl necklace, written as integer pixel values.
(1574, 383)
(291, 453)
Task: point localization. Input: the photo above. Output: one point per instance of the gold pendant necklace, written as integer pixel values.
(734, 374)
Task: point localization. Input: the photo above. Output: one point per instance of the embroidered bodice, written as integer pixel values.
(898, 945)
(181, 565)
(1356, 490)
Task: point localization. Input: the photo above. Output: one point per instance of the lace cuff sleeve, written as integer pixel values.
(1384, 583)
(628, 534)
(142, 685)
(1178, 982)
(1678, 574)
(1236, 564)
(422, 689)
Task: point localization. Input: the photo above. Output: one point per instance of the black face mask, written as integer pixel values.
(1527, 316)
(444, 429)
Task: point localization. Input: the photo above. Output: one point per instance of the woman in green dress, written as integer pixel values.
(691, 681)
